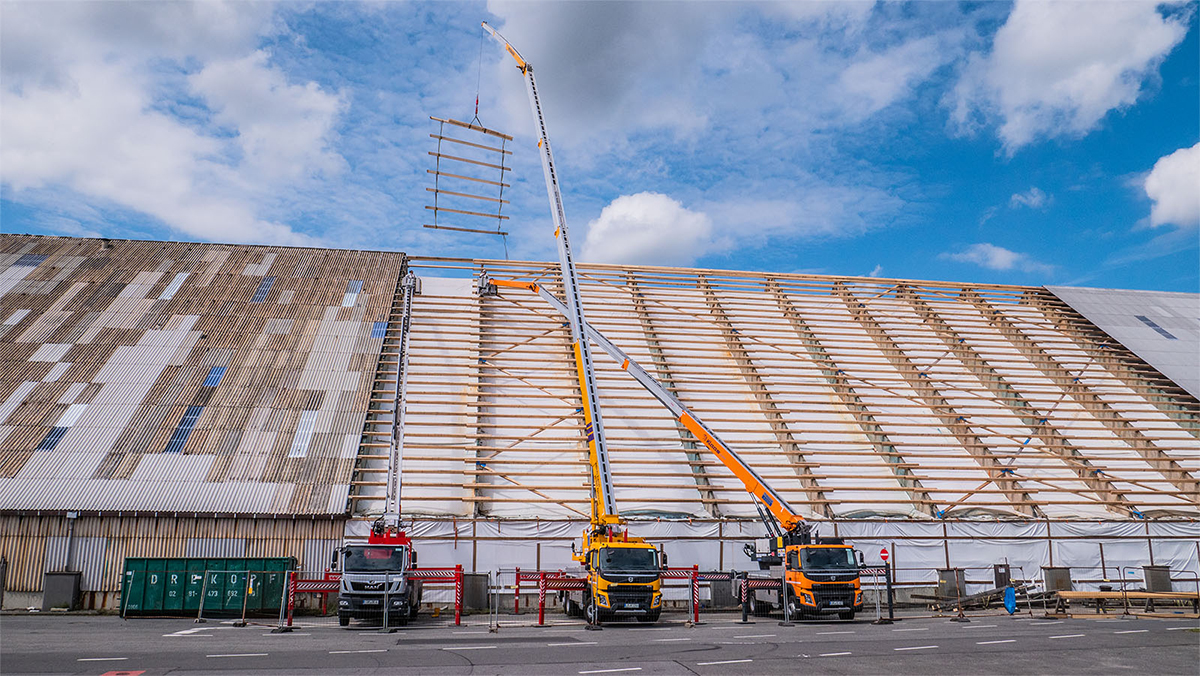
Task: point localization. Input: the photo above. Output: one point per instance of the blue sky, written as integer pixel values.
(1027, 143)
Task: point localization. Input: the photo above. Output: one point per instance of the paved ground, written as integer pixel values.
(987, 645)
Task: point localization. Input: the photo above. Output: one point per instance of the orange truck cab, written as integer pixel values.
(821, 575)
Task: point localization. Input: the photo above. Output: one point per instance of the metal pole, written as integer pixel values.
(517, 594)
(283, 596)
(541, 598)
(203, 597)
(783, 594)
(887, 571)
(245, 601)
(291, 597)
(458, 592)
(744, 577)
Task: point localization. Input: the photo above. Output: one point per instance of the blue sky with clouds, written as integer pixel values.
(1027, 143)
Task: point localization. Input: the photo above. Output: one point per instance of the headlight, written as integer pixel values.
(602, 599)
(657, 601)
(807, 598)
(858, 598)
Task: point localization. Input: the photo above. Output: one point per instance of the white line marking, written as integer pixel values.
(664, 640)
(917, 647)
(1042, 624)
(1179, 628)
(190, 632)
(978, 626)
(757, 636)
(1069, 636)
(650, 629)
(348, 652)
(469, 632)
(832, 654)
(705, 664)
(471, 647)
(286, 633)
(1007, 640)
(101, 659)
(831, 633)
(240, 655)
(573, 643)
(913, 629)
(609, 671)
(1132, 631)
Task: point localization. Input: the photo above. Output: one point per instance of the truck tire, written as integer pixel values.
(343, 620)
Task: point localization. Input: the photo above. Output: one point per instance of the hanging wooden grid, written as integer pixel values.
(463, 170)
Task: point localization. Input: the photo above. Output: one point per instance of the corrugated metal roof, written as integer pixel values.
(1161, 327)
(174, 385)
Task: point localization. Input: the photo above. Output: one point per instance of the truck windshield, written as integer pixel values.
(359, 559)
(829, 559)
(618, 560)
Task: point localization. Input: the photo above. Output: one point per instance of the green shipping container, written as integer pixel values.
(177, 587)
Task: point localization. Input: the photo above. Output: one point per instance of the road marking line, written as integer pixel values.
(650, 629)
(913, 629)
(609, 671)
(471, 647)
(190, 632)
(917, 647)
(757, 636)
(663, 640)
(348, 652)
(469, 632)
(1179, 628)
(978, 626)
(1007, 640)
(831, 633)
(101, 659)
(573, 643)
(705, 664)
(1070, 636)
(1132, 631)
(240, 655)
(286, 633)
(832, 654)
(1042, 624)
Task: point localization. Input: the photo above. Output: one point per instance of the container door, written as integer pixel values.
(176, 586)
(195, 585)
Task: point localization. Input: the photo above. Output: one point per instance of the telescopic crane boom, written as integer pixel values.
(604, 506)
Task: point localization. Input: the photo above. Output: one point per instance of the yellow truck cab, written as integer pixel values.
(624, 579)
(822, 578)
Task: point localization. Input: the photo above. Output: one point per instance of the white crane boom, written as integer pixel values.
(604, 506)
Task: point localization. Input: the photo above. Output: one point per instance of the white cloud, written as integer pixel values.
(283, 129)
(1034, 198)
(647, 228)
(88, 95)
(876, 80)
(875, 271)
(1057, 68)
(995, 257)
(1174, 186)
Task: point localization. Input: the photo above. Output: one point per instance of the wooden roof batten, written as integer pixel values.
(933, 398)
(692, 448)
(1090, 401)
(1003, 393)
(762, 396)
(854, 404)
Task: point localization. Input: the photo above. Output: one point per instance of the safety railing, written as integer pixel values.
(365, 599)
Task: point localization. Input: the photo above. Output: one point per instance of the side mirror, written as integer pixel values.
(414, 557)
(663, 557)
(334, 561)
(861, 561)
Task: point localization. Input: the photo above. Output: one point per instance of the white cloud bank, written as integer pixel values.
(1057, 68)
(92, 109)
(1174, 186)
(647, 228)
(995, 257)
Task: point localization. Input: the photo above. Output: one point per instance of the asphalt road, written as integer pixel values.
(987, 645)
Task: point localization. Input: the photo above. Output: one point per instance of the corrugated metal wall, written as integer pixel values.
(35, 544)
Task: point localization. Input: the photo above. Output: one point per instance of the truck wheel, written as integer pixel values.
(343, 620)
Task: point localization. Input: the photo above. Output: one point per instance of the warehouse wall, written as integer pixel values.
(33, 545)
